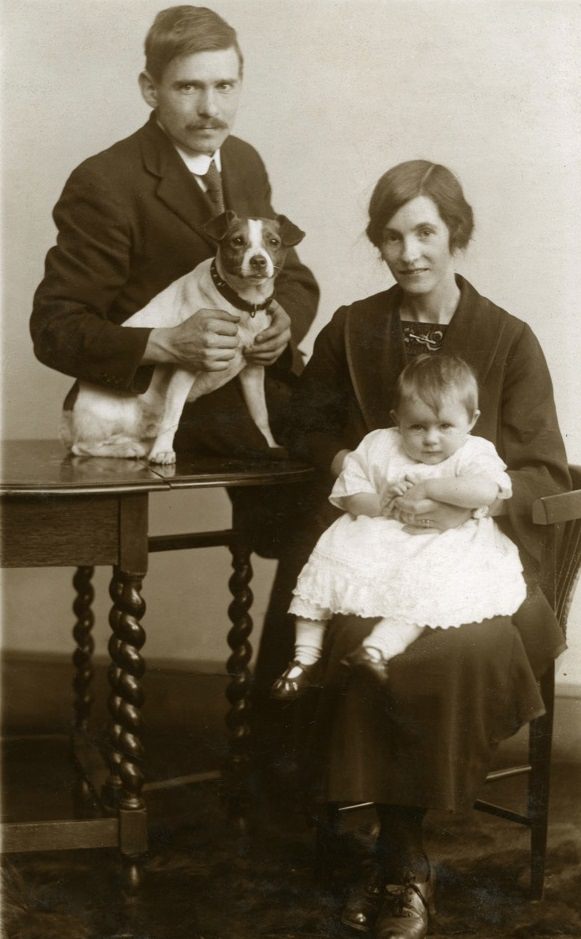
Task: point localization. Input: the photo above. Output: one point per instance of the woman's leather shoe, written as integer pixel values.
(404, 910)
(286, 688)
(361, 661)
(362, 906)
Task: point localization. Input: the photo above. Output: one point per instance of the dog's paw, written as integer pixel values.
(164, 457)
(132, 451)
(124, 450)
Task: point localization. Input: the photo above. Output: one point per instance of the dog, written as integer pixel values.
(240, 279)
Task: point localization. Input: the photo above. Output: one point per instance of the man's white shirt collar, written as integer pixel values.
(199, 163)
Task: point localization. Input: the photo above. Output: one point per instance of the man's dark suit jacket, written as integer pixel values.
(130, 221)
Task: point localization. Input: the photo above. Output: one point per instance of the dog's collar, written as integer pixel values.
(232, 297)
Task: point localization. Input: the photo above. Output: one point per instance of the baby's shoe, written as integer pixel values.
(291, 686)
(367, 662)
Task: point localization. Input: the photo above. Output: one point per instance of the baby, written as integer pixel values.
(370, 564)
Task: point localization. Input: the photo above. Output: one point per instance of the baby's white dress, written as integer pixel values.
(372, 567)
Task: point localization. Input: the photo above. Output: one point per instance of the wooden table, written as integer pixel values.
(60, 510)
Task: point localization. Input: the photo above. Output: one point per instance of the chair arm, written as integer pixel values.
(564, 507)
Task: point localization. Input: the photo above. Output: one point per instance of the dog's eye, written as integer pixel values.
(237, 241)
(274, 242)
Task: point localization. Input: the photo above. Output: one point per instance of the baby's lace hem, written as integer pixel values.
(403, 603)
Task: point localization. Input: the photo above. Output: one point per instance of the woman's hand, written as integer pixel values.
(420, 515)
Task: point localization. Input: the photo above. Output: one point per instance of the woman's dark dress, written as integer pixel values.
(454, 693)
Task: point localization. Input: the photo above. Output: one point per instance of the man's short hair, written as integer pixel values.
(185, 30)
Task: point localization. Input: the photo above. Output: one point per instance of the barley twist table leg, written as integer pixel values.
(237, 692)
(125, 705)
(130, 638)
(112, 789)
(83, 654)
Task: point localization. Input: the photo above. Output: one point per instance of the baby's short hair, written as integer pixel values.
(432, 377)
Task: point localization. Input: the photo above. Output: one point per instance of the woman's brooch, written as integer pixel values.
(431, 340)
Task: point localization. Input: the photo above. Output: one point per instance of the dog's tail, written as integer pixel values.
(66, 424)
(66, 429)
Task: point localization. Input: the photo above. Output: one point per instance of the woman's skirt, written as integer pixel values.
(452, 695)
(428, 740)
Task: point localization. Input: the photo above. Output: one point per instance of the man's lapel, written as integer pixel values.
(176, 189)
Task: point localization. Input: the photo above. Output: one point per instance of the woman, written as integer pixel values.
(427, 742)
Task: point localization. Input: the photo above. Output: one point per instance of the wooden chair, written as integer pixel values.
(562, 515)
(560, 570)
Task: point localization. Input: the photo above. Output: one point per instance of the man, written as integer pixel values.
(131, 220)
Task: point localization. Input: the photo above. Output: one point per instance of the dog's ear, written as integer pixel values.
(218, 226)
(289, 233)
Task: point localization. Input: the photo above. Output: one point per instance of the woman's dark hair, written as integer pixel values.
(185, 30)
(415, 178)
(433, 377)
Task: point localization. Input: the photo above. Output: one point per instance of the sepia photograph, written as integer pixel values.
(291, 469)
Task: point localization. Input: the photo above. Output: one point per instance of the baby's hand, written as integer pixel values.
(415, 491)
(398, 488)
(391, 493)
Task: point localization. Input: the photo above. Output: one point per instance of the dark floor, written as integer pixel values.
(203, 879)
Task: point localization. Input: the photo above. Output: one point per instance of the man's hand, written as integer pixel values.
(271, 342)
(207, 340)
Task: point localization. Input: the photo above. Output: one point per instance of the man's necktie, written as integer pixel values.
(213, 181)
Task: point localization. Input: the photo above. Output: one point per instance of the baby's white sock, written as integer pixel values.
(389, 638)
(309, 635)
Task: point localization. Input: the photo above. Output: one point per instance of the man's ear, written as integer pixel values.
(218, 226)
(289, 233)
(148, 89)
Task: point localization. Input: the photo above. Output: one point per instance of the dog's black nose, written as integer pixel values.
(258, 261)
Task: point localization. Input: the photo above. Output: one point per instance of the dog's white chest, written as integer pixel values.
(250, 325)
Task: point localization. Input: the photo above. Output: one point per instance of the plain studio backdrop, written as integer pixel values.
(335, 92)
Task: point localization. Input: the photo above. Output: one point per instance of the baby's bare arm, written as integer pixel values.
(362, 503)
(469, 492)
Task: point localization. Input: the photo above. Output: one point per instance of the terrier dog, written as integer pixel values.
(250, 254)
